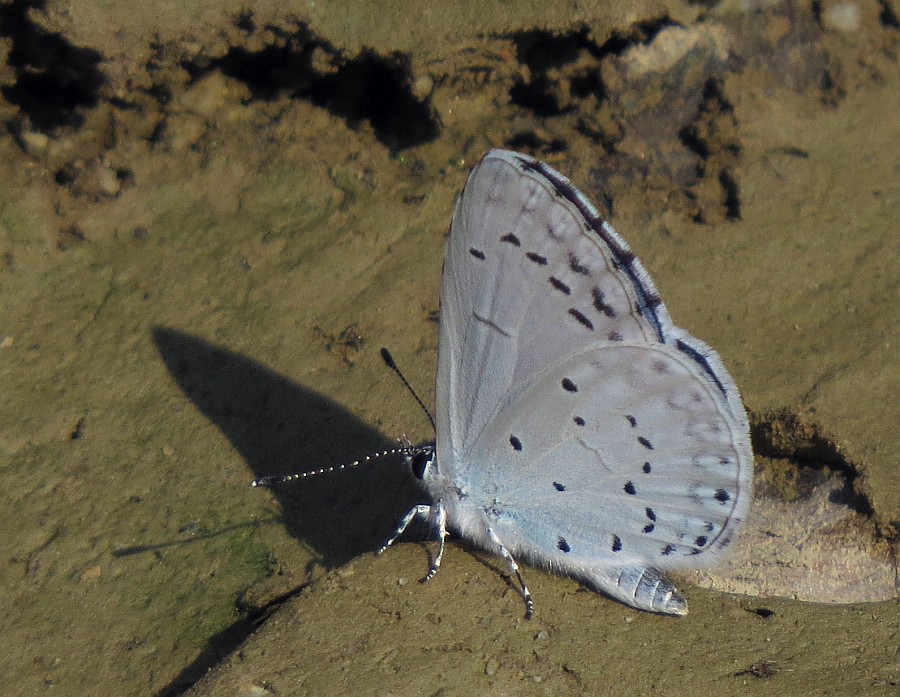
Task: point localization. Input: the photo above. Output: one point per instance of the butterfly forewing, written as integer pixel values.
(527, 282)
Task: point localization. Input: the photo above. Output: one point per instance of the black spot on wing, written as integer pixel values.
(515, 443)
(581, 318)
(667, 550)
(569, 386)
(646, 443)
(660, 367)
(510, 238)
(647, 468)
(600, 304)
(616, 543)
(563, 545)
(722, 496)
(558, 486)
(629, 488)
(477, 253)
(631, 420)
(579, 421)
(537, 258)
(576, 265)
(559, 285)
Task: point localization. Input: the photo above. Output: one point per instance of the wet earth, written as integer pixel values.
(212, 218)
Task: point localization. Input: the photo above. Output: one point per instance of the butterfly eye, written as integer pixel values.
(420, 462)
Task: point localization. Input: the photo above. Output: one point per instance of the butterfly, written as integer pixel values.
(577, 428)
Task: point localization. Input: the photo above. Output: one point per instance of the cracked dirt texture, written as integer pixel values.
(210, 221)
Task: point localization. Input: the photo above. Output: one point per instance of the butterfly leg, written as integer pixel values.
(440, 522)
(514, 568)
(421, 509)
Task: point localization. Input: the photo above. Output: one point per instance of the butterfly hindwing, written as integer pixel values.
(621, 454)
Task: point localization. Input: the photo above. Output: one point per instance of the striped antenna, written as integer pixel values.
(406, 450)
(273, 479)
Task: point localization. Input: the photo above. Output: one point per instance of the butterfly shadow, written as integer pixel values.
(280, 427)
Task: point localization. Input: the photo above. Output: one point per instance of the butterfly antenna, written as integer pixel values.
(389, 362)
(272, 480)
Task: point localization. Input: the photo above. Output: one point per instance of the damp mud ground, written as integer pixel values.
(211, 219)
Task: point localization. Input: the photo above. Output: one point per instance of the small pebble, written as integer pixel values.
(108, 182)
(34, 142)
(422, 87)
(842, 17)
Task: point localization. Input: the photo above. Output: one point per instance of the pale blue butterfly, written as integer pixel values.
(577, 428)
